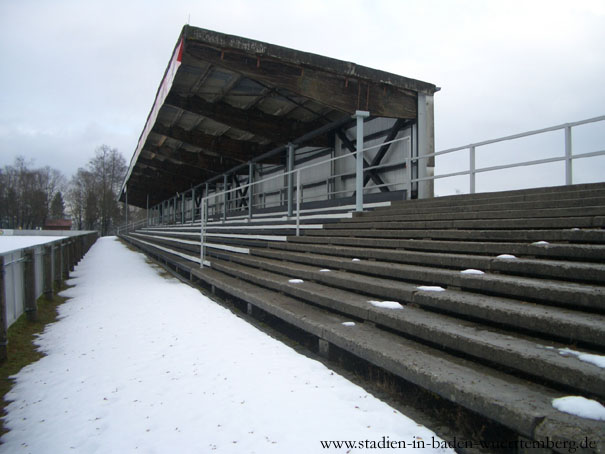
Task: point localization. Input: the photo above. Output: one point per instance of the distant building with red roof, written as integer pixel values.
(57, 224)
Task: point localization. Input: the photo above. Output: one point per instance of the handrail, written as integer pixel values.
(568, 158)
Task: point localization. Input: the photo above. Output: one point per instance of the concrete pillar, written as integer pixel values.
(324, 348)
(72, 254)
(57, 266)
(65, 260)
(29, 285)
(48, 273)
(3, 323)
(426, 145)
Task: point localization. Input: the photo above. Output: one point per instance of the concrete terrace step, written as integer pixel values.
(551, 269)
(190, 246)
(502, 222)
(585, 252)
(527, 235)
(521, 353)
(521, 195)
(565, 294)
(549, 322)
(404, 209)
(517, 404)
(490, 212)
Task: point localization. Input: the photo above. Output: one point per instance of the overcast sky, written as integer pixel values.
(78, 74)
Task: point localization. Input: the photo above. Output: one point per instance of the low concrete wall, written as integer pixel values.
(30, 272)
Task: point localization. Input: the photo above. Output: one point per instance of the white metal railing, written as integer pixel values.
(473, 170)
(296, 176)
(130, 226)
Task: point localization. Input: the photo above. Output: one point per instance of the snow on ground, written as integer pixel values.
(141, 363)
(12, 242)
(580, 406)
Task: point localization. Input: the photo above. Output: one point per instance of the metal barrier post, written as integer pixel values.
(298, 196)
(360, 115)
(225, 187)
(568, 156)
(250, 188)
(203, 213)
(471, 155)
(408, 173)
(290, 176)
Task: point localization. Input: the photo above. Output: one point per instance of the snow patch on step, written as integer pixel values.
(386, 304)
(580, 406)
(430, 288)
(597, 360)
(472, 271)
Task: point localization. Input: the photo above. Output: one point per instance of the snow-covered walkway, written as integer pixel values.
(142, 363)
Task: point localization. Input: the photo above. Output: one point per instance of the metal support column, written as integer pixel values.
(147, 210)
(174, 202)
(192, 205)
(290, 178)
(426, 145)
(182, 208)
(359, 115)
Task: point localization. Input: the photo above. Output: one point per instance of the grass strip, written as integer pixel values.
(21, 349)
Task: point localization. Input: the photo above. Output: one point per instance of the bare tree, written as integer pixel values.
(26, 194)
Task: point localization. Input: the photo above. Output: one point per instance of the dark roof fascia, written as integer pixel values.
(297, 57)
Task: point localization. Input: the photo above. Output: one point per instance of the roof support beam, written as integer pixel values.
(194, 175)
(237, 149)
(209, 164)
(347, 94)
(273, 128)
(382, 151)
(373, 175)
